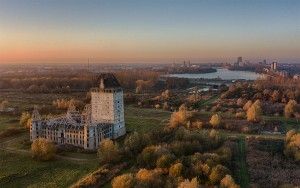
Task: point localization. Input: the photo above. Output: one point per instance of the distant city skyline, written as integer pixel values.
(149, 31)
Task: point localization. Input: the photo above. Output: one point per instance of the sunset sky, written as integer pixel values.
(73, 30)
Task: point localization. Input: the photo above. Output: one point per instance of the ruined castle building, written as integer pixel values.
(103, 118)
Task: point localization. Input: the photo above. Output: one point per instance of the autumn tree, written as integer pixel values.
(228, 182)
(275, 96)
(181, 117)
(176, 170)
(254, 112)
(247, 105)
(215, 120)
(123, 181)
(290, 108)
(149, 178)
(25, 119)
(166, 94)
(108, 152)
(165, 161)
(240, 115)
(3, 105)
(134, 143)
(65, 104)
(142, 85)
(42, 149)
(292, 145)
(148, 156)
(189, 184)
(240, 102)
(218, 173)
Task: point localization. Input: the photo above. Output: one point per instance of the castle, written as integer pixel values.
(102, 118)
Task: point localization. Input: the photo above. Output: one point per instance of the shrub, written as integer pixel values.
(247, 105)
(218, 173)
(157, 106)
(176, 170)
(25, 119)
(166, 94)
(166, 106)
(123, 181)
(165, 161)
(3, 105)
(254, 112)
(189, 184)
(290, 108)
(148, 156)
(215, 121)
(240, 115)
(108, 152)
(228, 182)
(197, 124)
(275, 96)
(42, 149)
(292, 145)
(149, 178)
(134, 143)
(180, 118)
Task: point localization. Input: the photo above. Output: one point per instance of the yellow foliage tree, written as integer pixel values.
(228, 182)
(176, 170)
(290, 108)
(25, 119)
(181, 117)
(108, 152)
(247, 105)
(42, 149)
(292, 145)
(254, 112)
(123, 181)
(189, 184)
(218, 173)
(215, 120)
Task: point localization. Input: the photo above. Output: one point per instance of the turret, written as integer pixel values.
(35, 124)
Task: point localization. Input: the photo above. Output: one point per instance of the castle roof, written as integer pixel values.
(108, 80)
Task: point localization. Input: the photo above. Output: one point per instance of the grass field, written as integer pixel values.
(241, 172)
(18, 169)
(7, 121)
(290, 123)
(143, 120)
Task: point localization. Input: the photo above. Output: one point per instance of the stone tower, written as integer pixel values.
(107, 104)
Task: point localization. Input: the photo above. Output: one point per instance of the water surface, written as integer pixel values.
(223, 74)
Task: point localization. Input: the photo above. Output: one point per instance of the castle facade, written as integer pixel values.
(102, 118)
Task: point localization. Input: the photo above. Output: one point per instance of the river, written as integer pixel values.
(223, 74)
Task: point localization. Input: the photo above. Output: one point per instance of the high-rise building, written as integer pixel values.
(239, 61)
(274, 66)
(264, 62)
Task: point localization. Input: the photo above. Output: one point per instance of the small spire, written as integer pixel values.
(102, 84)
(35, 114)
